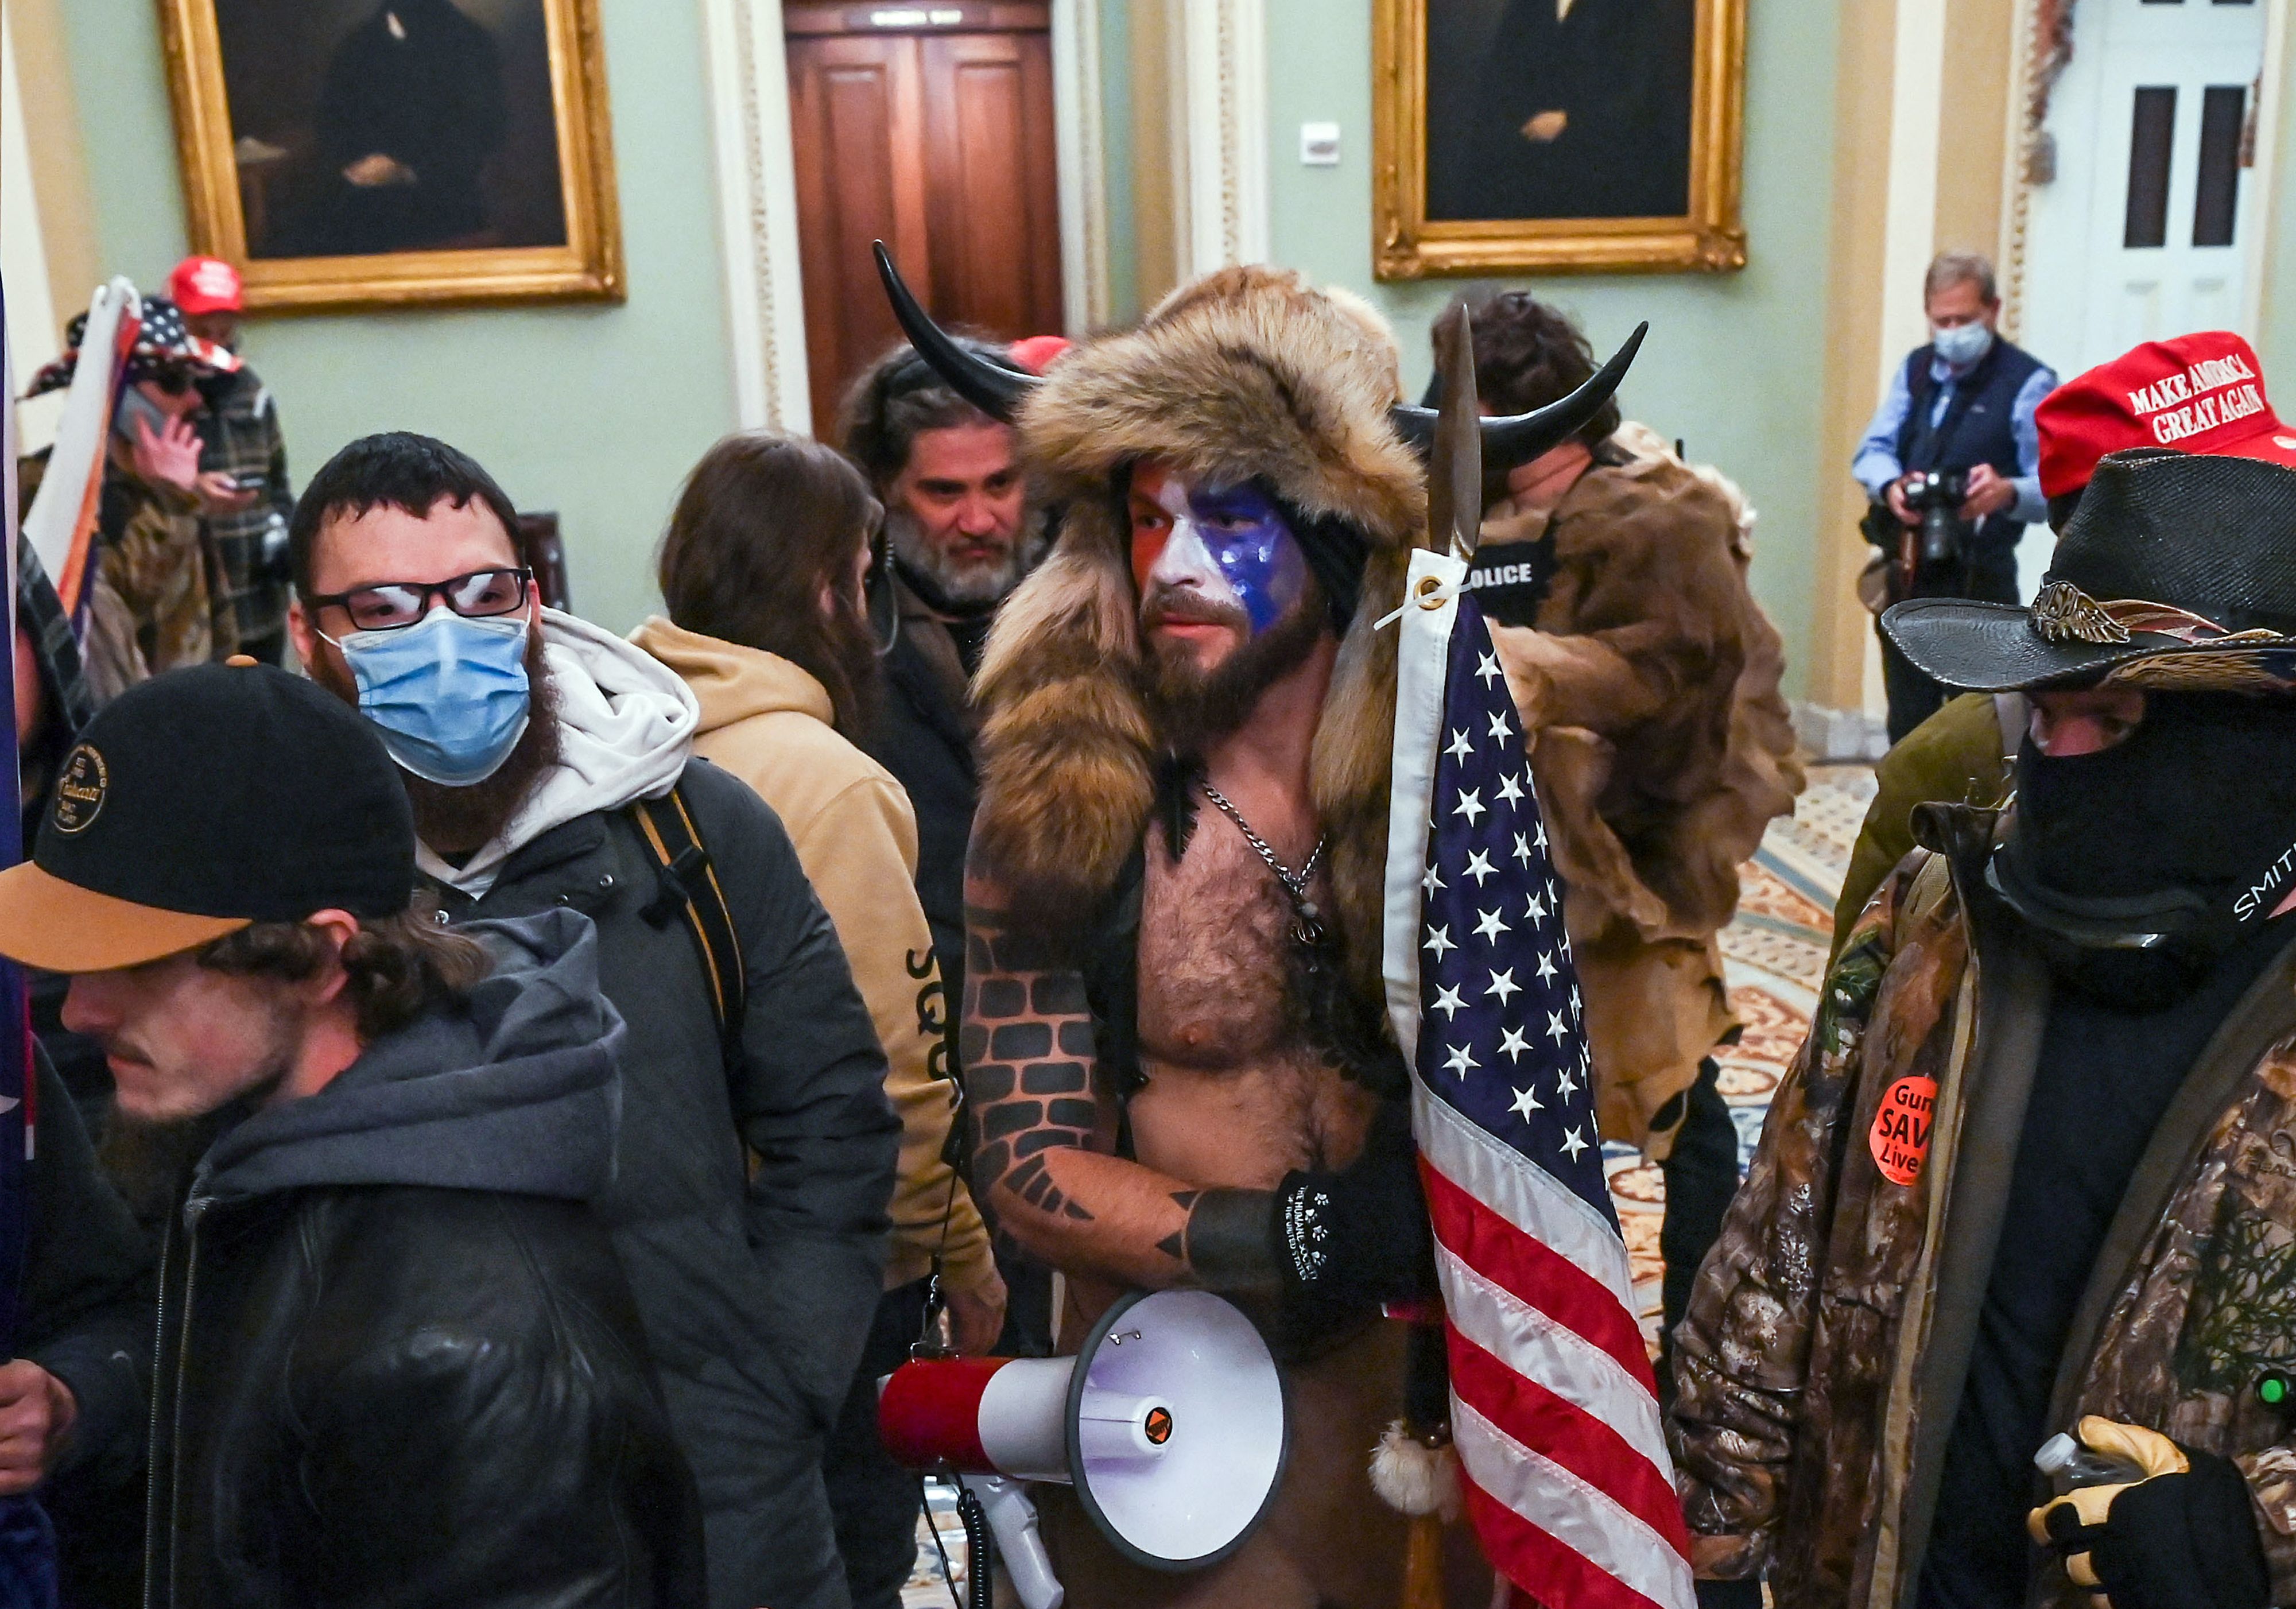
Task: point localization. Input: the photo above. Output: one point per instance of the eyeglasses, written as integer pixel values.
(173, 378)
(397, 603)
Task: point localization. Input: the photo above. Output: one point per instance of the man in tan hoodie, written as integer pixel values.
(761, 572)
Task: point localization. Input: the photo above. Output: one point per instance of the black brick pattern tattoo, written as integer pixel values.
(1027, 1046)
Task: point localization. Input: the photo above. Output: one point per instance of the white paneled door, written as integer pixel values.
(2142, 232)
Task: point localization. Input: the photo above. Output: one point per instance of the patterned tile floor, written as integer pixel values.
(1774, 957)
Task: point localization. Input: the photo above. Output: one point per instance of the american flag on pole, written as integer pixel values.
(1554, 1409)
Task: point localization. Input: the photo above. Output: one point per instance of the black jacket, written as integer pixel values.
(923, 736)
(756, 1276)
(398, 1365)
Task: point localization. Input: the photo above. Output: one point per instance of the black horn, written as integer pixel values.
(1518, 439)
(988, 385)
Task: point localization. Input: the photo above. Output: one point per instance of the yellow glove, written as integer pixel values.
(2081, 1512)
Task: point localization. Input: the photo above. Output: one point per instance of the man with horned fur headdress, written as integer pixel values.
(1173, 1031)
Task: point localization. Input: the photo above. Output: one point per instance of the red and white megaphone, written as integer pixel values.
(1170, 1424)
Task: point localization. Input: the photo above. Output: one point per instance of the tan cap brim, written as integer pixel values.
(61, 927)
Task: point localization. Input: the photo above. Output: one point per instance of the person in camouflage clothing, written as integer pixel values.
(2033, 1170)
(156, 599)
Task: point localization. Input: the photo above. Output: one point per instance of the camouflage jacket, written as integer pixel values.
(1824, 1351)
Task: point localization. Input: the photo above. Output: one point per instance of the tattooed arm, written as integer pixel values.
(1046, 1120)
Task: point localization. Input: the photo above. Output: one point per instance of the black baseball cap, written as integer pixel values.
(201, 801)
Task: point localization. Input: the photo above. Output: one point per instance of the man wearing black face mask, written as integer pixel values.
(2027, 1175)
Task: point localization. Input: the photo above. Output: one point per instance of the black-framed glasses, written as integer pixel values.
(394, 605)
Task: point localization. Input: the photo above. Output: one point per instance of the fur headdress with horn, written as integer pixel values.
(1246, 373)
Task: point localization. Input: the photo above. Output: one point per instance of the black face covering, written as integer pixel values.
(2141, 864)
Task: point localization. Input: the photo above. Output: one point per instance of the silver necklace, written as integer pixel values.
(1295, 883)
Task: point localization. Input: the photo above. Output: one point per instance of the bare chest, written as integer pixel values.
(1236, 1094)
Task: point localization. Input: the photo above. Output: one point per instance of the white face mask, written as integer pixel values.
(1962, 344)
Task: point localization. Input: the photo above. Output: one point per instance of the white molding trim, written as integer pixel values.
(1909, 239)
(757, 202)
(1223, 82)
(1081, 162)
(2271, 100)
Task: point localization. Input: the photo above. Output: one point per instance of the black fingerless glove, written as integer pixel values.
(2180, 1541)
(1348, 1241)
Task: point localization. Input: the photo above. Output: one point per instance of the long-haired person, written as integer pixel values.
(762, 574)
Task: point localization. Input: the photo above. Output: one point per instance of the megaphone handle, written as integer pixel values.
(1013, 1518)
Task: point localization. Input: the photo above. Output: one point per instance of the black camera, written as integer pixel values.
(1937, 496)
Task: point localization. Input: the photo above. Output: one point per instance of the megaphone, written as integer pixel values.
(1170, 1424)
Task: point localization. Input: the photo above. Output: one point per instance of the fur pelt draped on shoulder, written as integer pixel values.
(1245, 374)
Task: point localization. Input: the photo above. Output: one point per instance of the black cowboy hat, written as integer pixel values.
(2177, 571)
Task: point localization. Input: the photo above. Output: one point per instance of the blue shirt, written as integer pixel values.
(1877, 463)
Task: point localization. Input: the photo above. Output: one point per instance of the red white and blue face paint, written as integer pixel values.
(1231, 548)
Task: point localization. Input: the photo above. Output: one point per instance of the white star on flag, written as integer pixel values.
(1499, 727)
(1503, 984)
(1555, 1030)
(1438, 939)
(1490, 927)
(1479, 867)
(1460, 747)
(1461, 1061)
(1429, 883)
(1522, 848)
(1538, 909)
(1488, 669)
(1512, 1044)
(1509, 789)
(1573, 1143)
(1450, 1003)
(1566, 1084)
(1525, 1103)
(1471, 805)
(1546, 966)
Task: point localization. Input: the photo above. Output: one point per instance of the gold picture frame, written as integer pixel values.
(1708, 236)
(584, 262)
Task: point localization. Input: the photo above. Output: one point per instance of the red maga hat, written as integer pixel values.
(205, 285)
(2202, 393)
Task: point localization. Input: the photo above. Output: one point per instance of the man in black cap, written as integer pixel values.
(398, 1359)
(2030, 1174)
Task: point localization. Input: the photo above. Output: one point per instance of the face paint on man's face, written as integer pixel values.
(1232, 548)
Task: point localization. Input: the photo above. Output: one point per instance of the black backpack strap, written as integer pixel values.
(686, 882)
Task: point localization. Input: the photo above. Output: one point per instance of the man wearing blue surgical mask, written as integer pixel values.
(1960, 406)
(550, 764)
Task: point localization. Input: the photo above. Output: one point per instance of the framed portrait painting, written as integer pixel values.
(378, 152)
(1557, 135)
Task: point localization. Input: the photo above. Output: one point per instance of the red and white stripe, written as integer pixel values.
(1554, 1409)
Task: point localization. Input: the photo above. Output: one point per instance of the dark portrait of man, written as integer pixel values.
(1559, 108)
(411, 108)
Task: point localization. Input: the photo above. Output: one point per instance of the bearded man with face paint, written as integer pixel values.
(1174, 1034)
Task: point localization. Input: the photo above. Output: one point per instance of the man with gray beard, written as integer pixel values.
(960, 535)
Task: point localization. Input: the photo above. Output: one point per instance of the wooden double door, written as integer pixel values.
(929, 127)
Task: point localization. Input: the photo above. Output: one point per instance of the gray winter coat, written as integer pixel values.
(749, 1201)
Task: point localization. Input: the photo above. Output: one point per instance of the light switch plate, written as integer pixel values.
(1319, 144)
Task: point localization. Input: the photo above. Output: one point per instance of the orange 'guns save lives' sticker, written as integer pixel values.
(1900, 1136)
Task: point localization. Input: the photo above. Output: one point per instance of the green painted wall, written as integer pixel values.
(1732, 364)
(595, 410)
(1116, 158)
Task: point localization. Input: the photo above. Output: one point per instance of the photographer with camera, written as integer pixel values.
(1952, 463)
